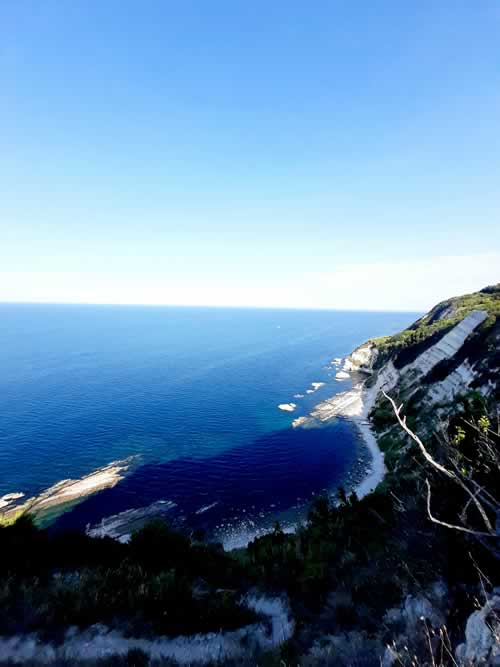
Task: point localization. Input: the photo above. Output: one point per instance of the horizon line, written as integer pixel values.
(209, 306)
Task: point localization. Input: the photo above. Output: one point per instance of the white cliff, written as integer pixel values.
(448, 345)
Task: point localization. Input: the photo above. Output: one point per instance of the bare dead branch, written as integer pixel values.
(486, 497)
(463, 513)
(463, 529)
(404, 426)
(450, 474)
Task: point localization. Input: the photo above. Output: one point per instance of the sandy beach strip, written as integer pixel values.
(354, 405)
(377, 465)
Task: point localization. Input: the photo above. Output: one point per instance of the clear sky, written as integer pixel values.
(338, 154)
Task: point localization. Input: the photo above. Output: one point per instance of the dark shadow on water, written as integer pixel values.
(273, 473)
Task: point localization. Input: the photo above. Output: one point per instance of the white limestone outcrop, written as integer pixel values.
(456, 382)
(448, 345)
(482, 635)
(99, 642)
(362, 358)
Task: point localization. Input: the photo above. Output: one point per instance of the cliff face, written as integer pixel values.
(453, 349)
(445, 369)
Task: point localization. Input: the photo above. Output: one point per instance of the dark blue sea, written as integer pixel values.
(192, 392)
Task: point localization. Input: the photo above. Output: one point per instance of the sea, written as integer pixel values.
(192, 395)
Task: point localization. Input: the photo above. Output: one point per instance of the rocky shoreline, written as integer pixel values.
(64, 493)
(354, 405)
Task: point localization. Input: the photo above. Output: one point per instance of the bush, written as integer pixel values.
(51, 581)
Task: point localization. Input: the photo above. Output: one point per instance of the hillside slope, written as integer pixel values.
(449, 351)
(444, 369)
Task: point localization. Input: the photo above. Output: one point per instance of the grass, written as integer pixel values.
(405, 346)
(10, 519)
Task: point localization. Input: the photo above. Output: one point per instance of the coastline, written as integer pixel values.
(64, 493)
(353, 405)
(378, 469)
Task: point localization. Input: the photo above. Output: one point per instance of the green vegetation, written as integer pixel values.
(10, 519)
(342, 570)
(351, 561)
(404, 347)
(159, 583)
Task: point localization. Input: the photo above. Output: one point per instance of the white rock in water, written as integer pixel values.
(287, 407)
(298, 395)
(342, 375)
(9, 497)
(317, 385)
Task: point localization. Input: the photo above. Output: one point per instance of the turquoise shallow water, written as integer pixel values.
(192, 391)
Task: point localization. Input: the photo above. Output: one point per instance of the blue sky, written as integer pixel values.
(324, 154)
